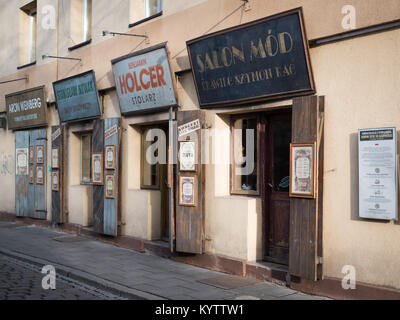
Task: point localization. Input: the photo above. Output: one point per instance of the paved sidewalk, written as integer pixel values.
(126, 272)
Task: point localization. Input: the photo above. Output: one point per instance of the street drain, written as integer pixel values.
(229, 282)
(70, 239)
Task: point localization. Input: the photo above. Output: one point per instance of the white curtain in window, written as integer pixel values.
(153, 7)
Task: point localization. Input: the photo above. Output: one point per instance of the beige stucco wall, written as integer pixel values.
(361, 86)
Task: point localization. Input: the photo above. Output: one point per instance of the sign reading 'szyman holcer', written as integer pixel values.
(144, 80)
(26, 109)
(77, 97)
(260, 60)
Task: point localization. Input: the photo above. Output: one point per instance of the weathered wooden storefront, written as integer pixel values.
(98, 141)
(27, 116)
(236, 71)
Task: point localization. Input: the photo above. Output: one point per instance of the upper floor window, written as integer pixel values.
(143, 9)
(81, 21)
(28, 23)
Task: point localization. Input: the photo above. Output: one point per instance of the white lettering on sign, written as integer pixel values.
(110, 132)
(56, 134)
(190, 127)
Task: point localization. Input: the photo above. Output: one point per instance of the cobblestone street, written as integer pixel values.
(21, 281)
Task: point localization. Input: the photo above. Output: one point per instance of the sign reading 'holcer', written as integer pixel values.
(144, 80)
(77, 97)
(260, 60)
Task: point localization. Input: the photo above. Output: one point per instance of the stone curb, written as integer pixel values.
(85, 277)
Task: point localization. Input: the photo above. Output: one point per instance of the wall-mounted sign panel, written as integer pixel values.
(26, 109)
(377, 173)
(77, 97)
(261, 60)
(144, 80)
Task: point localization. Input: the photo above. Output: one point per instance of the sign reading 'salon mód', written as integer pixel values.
(26, 109)
(77, 97)
(144, 80)
(261, 60)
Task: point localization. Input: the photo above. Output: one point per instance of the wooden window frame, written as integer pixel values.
(142, 159)
(232, 158)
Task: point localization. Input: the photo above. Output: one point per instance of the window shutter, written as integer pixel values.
(305, 247)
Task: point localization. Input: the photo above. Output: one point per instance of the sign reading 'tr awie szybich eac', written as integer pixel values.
(144, 80)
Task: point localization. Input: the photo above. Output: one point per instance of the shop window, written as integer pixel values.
(244, 156)
(86, 149)
(28, 25)
(142, 10)
(150, 172)
(81, 22)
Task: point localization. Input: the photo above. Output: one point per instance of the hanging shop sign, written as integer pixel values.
(77, 97)
(26, 109)
(261, 60)
(377, 173)
(144, 80)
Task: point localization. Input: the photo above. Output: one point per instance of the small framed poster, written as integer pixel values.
(31, 174)
(55, 181)
(187, 156)
(187, 191)
(302, 170)
(21, 157)
(39, 174)
(32, 155)
(55, 157)
(39, 154)
(97, 168)
(110, 157)
(110, 186)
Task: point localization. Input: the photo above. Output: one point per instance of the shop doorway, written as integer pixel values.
(155, 176)
(276, 159)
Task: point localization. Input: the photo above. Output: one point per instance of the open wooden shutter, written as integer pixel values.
(305, 249)
(39, 138)
(189, 220)
(98, 191)
(106, 210)
(57, 197)
(21, 178)
(111, 205)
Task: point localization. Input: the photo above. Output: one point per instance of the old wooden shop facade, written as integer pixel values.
(254, 108)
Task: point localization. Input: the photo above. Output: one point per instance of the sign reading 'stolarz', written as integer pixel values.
(144, 80)
(261, 60)
(77, 97)
(26, 109)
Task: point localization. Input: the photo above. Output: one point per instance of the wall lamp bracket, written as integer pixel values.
(26, 78)
(63, 58)
(105, 33)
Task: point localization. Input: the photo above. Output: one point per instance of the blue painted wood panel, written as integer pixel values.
(21, 181)
(111, 206)
(39, 138)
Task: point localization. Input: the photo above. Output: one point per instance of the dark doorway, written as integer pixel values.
(276, 158)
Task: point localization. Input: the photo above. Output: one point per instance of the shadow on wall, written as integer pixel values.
(354, 190)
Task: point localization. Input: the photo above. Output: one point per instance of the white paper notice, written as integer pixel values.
(377, 173)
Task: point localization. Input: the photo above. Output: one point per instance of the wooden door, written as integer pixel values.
(22, 174)
(277, 161)
(164, 194)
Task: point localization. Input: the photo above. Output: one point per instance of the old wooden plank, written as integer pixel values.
(21, 181)
(98, 191)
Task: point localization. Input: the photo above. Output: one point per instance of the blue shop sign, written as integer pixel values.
(261, 60)
(77, 97)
